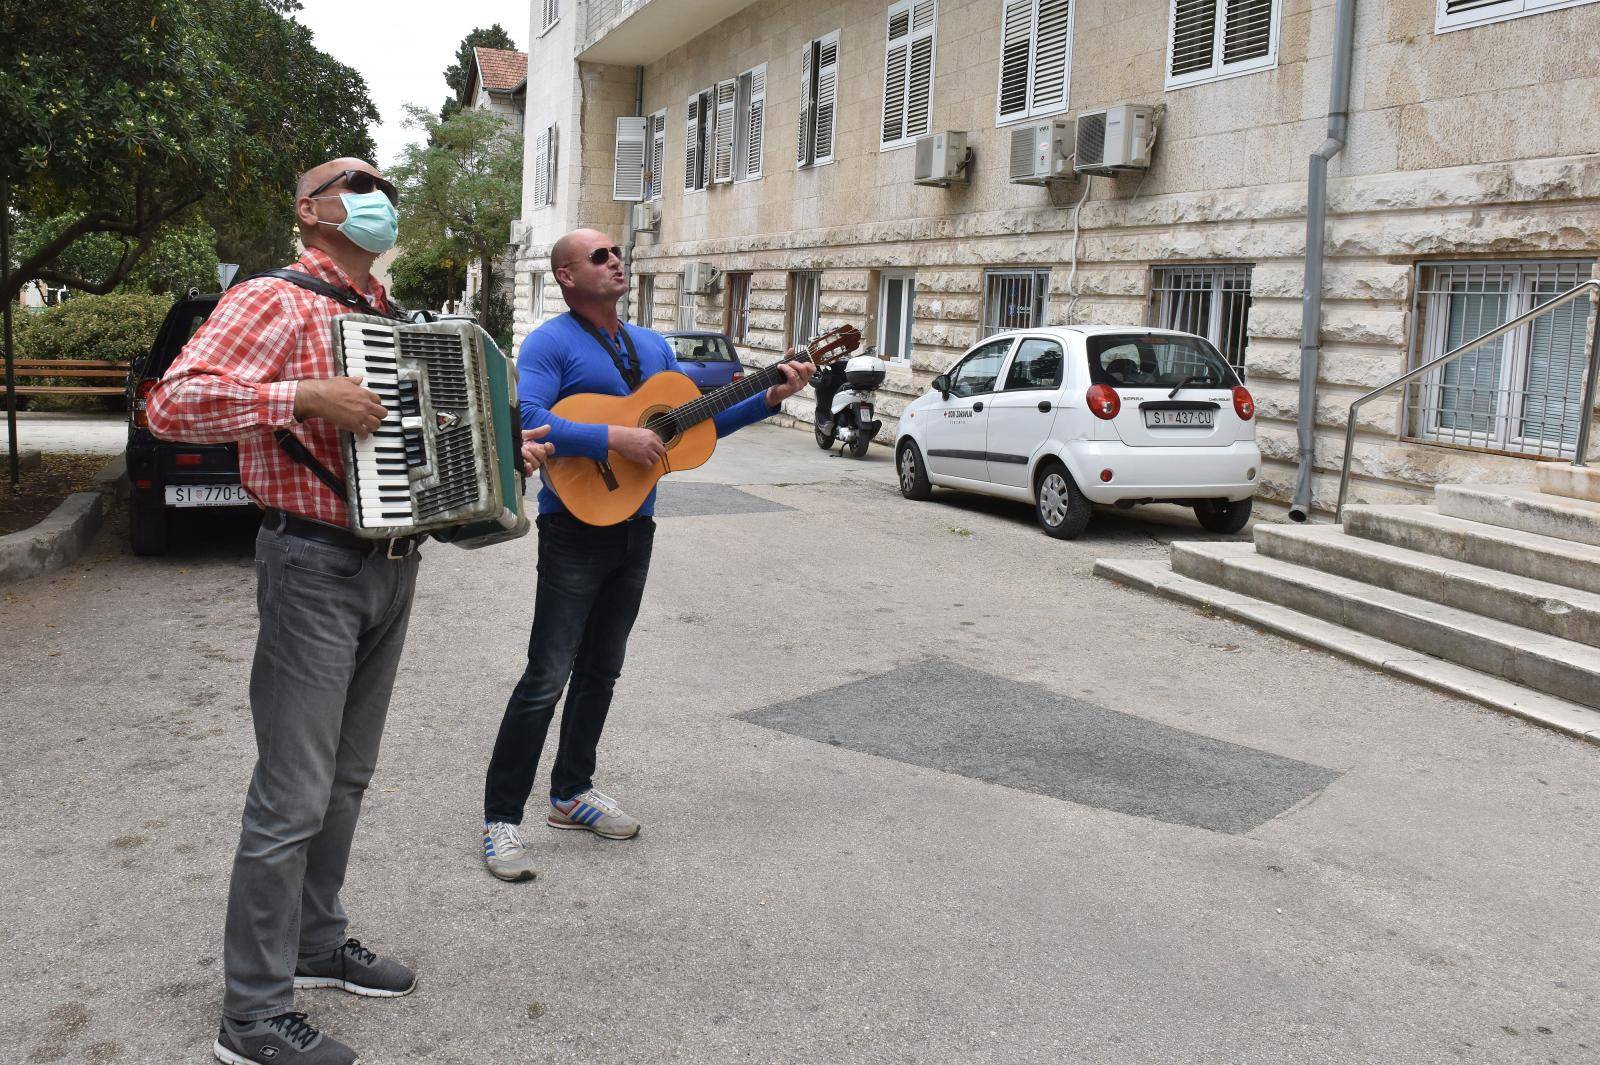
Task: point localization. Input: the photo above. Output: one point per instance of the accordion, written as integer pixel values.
(447, 458)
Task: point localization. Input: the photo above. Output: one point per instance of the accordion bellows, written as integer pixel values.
(447, 458)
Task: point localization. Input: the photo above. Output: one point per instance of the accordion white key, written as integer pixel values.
(447, 458)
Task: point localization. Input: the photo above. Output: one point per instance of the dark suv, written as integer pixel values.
(168, 477)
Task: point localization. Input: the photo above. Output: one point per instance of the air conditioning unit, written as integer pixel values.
(942, 159)
(700, 279)
(646, 217)
(1114, 139)
(519, 233)
(1039, 151)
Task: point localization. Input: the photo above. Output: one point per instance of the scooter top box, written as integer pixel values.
(863, 373)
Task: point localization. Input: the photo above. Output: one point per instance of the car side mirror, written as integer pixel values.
(941, 385)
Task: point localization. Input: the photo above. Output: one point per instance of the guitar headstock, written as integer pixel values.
(831, 346)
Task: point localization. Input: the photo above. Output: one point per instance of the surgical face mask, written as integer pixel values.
(369, 220)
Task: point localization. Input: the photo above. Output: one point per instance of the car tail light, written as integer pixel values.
(1103, 401)
(188, 458)
(738, 375)
(141, 398)
(1106, 475)
(1243, 405)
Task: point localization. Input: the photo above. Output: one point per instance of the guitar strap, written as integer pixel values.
(630, 367)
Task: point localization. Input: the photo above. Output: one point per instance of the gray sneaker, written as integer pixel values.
(504, 853)
(287, 1039)
(592, 811)
(356, 969)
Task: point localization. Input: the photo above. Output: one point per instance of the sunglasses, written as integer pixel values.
(359, 182)
(600, 256)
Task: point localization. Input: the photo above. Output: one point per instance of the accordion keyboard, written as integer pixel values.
(384, 460)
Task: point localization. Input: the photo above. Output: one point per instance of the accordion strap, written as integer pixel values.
(297, 451)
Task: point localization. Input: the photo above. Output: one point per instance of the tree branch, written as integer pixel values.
(147, 219)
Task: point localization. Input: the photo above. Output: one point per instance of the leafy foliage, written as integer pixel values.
(426, 277)
(462, 189)
(184, 256)
(121, 326)
(122, 116)
(457, 73)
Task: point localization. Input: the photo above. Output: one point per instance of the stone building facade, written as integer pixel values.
(1468, 189)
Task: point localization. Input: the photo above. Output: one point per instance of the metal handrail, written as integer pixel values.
(1582, 448)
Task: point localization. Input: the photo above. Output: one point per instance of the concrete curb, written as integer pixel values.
(61, 537)
(1157, 577)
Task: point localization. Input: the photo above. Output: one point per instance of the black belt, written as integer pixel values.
(282, 521)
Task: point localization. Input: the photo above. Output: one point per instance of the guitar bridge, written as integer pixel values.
(608, 476)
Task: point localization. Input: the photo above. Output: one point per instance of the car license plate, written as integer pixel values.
(1180, 419)
(206, 495)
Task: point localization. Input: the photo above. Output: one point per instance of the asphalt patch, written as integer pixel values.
(941, 715)
(689, 499)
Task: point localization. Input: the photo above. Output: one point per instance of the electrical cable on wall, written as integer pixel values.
(1072, 276)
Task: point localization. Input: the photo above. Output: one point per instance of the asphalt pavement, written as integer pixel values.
(916, 787)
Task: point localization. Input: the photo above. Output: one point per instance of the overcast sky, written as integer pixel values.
(402, 48)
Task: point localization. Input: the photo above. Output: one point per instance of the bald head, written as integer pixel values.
(574, 245)
(326, 172)
(586, 270)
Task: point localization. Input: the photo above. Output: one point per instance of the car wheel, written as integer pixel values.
(1060, 507)
(862, 441)
(147, 528)
(1221, 516)
(913, 476)
(824, 439)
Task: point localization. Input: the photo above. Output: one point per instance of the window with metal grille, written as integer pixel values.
(1214, 39)
(1211, 301)
(1521, 393)
(1014, 299)
(647, 301)
(688, 304)
(738, 324)
(1464, 14)
(908, 71)
(897, 302)
(819, 95)
(805, 305)
(1035, 58)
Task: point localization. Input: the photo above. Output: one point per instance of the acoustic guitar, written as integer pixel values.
(604, 493)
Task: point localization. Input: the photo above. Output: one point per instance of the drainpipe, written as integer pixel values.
(1344, 25)
(627, 228)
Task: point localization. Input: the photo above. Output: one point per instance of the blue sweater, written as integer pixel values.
(560, 359)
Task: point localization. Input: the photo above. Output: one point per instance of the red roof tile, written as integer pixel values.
(502, 70)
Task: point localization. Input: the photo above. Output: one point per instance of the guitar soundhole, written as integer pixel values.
(663, 424)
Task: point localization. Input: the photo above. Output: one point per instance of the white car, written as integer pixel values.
(1063, 417)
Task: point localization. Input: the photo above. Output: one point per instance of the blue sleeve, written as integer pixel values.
(540, 372)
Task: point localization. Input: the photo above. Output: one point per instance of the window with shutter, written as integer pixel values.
(541, 169)
(819, 88)
(628, 161)
(552, 136)
(1035, 58)
(1214, 39)
(658, 152)
(722, 133)
(1464, 14)
(552, 15)
(752, 111)
(698, 131)
(908, 71)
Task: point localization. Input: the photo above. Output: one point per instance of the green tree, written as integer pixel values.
(457, 73)
(426, 277)
(184, 256)
(120, 117)
(462, 189)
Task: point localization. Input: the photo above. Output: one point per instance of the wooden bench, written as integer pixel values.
(95, 370)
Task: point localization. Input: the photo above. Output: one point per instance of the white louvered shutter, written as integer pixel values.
(1016, 53)
(752, 121)
(552, 11)
(691, 144)
(908, 70)
(804, 133)
(1194, 25)
(1052, 37)
(722, 132)
(541, 169)
(827, 96)
(627, 178)
(1246, 30)
(658, 152)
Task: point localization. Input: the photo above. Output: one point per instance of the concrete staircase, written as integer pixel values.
(1492, 593)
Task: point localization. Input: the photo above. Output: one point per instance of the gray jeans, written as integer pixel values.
(333, 622)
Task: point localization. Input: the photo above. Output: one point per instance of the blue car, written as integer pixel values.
(709, 359)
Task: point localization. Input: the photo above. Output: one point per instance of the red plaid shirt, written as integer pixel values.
(236, 378)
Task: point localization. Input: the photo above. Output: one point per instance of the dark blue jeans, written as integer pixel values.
(591, 580)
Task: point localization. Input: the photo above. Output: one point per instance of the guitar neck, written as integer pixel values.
(713, 403)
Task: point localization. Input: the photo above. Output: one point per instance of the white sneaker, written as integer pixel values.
(592, 811)
(504, 853)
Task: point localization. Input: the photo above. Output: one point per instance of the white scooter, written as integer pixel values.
(844, 403)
